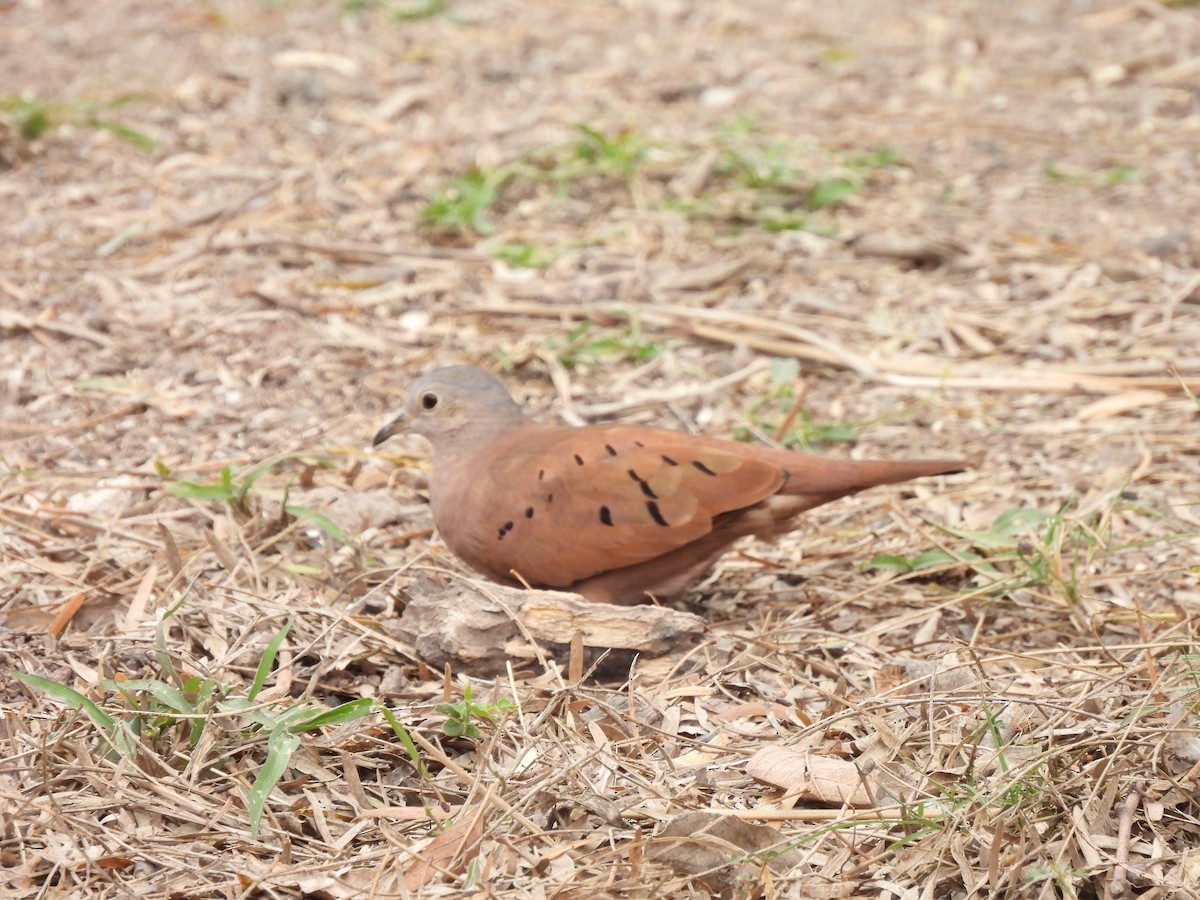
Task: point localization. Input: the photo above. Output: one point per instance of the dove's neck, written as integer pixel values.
(472, 440)
(463, 461)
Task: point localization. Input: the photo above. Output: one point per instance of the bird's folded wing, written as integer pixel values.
(582, 503)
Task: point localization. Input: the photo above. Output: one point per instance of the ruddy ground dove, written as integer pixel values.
(617, 513)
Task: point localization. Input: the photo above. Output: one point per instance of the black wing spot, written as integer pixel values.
(655, 514)
(643, 484)
(703, 468)
(541, 474)
(668, 460)
(578, 460)
(610, 449)
(504, 529)
(639, 443)
(549, 498)
(529, 512)
(606, 516)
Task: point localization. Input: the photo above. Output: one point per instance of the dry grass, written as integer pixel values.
(1023, 279)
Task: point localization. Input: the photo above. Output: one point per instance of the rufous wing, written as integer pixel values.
(584, 501)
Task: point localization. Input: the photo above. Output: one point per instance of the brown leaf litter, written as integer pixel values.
(1007, 665)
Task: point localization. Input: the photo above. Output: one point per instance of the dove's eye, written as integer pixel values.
(429, 400)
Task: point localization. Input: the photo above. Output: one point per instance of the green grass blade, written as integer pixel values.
(70, 697)
(242, 707)
(119, 738)
(339, 715)
(254, 473)
(165, 663)
(195, 490)
(168, 696)
(280, 747)
(130, 135)
(319, 519)
(268, 660)
(405, 739)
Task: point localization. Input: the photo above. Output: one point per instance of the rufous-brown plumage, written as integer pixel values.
(617, 513)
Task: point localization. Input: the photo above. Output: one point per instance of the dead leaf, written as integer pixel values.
(66, 613)
(703, 755)
(449, 851)
(721, 850)
(114, 862)
(825, 779)
(750, 709)
(137, 606)
(1116, 404)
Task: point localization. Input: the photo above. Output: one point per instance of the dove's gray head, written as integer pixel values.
(454, 403)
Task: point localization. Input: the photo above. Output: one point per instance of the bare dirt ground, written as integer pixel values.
(972, 225)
